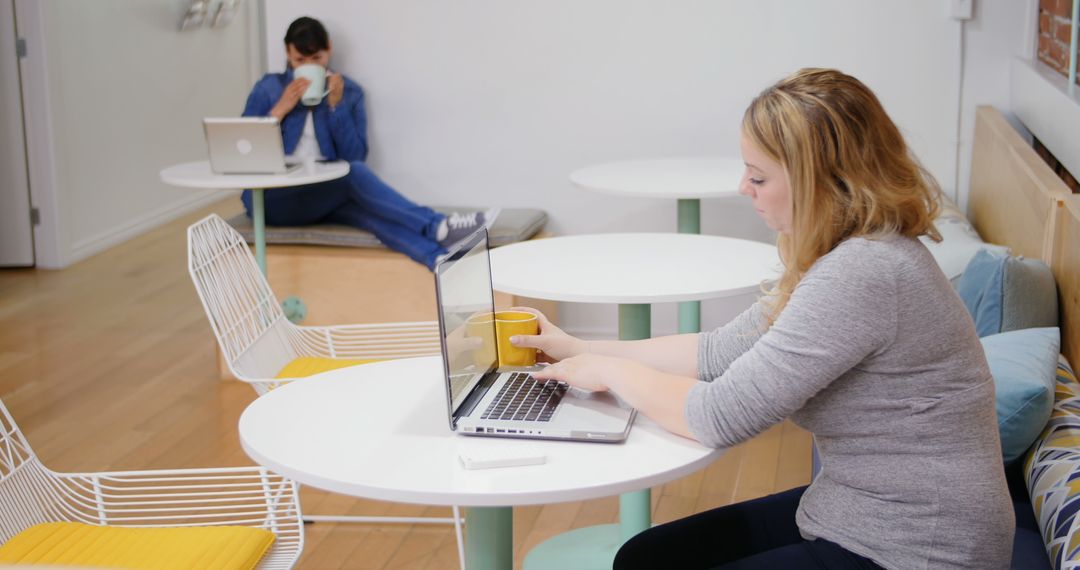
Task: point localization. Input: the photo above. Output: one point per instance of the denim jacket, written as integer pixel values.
(341, 132)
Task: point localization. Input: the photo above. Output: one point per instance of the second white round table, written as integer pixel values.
(633, 270)
(685, 179)
(199, 175)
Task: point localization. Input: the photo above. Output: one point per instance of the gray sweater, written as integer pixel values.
(878, 358)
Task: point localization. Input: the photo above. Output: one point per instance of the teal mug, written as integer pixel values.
(316, 90)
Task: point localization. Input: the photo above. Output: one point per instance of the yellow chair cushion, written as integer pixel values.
(77, 544)
(310, 365)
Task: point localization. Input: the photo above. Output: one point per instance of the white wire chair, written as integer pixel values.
(31, 494)
(257, 340)
(252, 332)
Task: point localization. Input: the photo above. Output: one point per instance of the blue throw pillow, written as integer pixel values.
(1023, 364)
(1005, 293)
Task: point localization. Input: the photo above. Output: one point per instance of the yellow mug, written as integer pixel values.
(511, 323)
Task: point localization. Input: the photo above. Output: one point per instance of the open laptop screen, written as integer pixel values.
(466, 305)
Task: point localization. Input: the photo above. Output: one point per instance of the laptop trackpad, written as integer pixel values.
(593, 411)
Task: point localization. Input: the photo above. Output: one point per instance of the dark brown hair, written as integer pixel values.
(307, 35)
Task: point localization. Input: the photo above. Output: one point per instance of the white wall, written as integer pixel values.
(999, 32)
(115, 93)
(16, 234)
(485, 102)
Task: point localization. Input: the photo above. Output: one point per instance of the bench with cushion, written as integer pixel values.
(512, 225)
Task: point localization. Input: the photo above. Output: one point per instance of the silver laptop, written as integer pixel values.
(485, 401)
(246, 145)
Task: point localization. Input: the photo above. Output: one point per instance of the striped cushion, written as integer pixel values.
(77, 544)
(311, 365)
(1052, 472)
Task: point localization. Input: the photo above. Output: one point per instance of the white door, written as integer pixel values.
(16, 232)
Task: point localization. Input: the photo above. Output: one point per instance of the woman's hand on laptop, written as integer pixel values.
(659, 395)
(552, 343)
(591, 372)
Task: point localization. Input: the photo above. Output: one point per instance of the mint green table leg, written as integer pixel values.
(489, 538)
(258, 220)
(635, 513)
(635, 323)
(689, 317)
(690, 216)
(294, 308)
(594, 547)
(690, 223)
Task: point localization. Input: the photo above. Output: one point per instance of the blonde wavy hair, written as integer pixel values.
(848, 167)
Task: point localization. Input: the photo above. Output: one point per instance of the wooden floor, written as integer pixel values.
(110, 364)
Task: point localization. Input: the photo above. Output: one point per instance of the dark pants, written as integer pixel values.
(753, 534)
(361, 200)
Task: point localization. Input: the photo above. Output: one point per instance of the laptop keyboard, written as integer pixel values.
(524, 399)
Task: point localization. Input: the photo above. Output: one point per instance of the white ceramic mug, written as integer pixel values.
(316, 90)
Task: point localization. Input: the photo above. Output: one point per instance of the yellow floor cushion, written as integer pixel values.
(77, 544)
(310, 365)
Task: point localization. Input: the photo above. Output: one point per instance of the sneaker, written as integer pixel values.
(460, 226)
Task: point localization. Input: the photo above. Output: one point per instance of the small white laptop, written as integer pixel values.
(485, 401)
(246, 145)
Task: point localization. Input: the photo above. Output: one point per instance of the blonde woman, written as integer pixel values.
(862, 341)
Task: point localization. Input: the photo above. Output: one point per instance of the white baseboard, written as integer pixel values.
(142, 224)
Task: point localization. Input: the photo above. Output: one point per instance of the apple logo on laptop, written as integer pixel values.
(244, 146)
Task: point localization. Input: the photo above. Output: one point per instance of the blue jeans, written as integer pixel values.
(361, 200)
(760, 534)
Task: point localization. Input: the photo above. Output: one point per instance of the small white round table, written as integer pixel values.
(199, 175)
(633, 270)
(686, 179)
(380, 431)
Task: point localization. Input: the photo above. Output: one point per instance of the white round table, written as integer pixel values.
(199, 175)
(676, 177)
(380, 431)
(686, 179)
(633, 270)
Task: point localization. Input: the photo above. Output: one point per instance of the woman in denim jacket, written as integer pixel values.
(336, 129)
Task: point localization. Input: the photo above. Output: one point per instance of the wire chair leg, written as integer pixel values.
(460, 541)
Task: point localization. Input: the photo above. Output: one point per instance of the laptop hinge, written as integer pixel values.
(477, 394)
